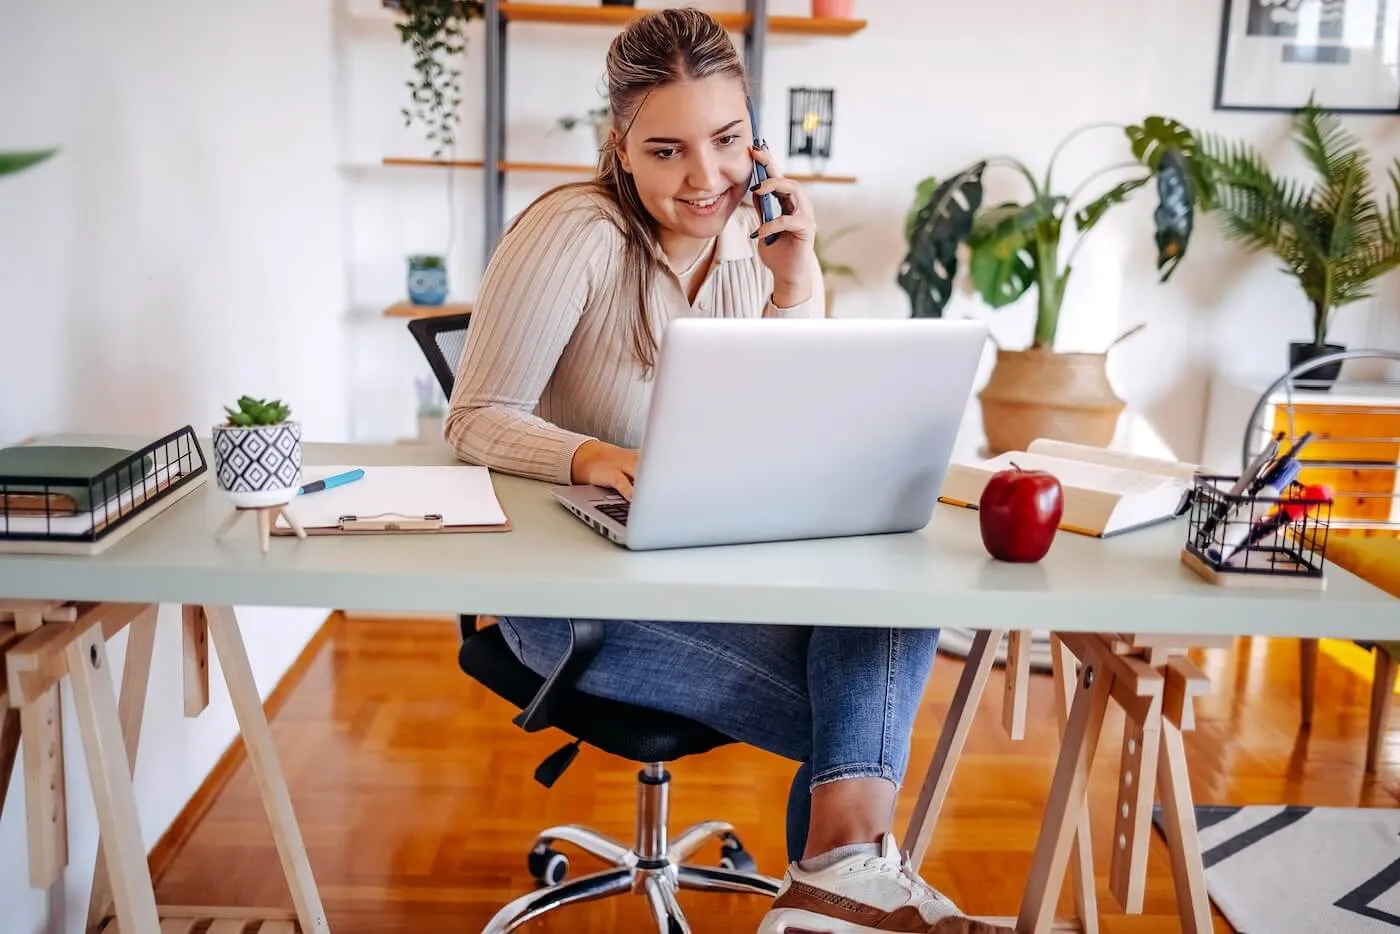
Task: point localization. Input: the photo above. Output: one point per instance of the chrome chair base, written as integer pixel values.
(652, 868)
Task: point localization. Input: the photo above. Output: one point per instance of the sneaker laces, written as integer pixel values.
(901, 871)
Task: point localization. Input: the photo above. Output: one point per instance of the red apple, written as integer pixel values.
(1020, 512)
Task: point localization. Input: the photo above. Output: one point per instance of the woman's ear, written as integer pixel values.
(621, 150)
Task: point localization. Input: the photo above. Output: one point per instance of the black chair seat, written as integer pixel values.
(640, 734)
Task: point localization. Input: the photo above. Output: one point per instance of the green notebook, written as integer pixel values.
(79, 464)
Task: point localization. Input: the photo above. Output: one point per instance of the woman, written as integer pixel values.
(554, 385)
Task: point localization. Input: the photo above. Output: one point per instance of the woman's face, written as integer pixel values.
(688, 152)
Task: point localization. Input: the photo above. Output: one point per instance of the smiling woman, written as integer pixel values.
(554, 384)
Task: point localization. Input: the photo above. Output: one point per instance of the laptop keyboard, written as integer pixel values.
(615, 511)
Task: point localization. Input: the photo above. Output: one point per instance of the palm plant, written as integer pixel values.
(1333, 236)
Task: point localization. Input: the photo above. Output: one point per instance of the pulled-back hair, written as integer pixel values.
(659, 48)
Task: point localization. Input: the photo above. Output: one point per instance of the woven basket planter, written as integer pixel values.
(1041, 394)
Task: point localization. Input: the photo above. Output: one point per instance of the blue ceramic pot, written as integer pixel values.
(427, 281)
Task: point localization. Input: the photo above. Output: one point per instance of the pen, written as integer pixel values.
(340, 479)
(1309, 498)
(1271, 477)
(1252, 472)
(1235, 532)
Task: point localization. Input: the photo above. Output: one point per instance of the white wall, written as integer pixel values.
(185, 247)
(997, 76)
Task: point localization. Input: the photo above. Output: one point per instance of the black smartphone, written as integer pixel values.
(768, 206)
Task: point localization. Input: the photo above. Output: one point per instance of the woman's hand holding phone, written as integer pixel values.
(792, 257)
(601, 464)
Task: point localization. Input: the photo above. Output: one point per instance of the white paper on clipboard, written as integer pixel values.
(462, 496)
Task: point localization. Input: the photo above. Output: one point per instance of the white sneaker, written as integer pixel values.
(864, 893)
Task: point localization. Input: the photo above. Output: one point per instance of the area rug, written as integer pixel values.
(1302, 870)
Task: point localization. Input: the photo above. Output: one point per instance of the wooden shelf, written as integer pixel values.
(437, 163)
(812, 26)
(410, 310)
(561, 14)
(569, 15)
(569, 168)
(559, 168)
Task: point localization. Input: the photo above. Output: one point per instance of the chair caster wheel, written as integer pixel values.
(734, 857)
(548, 865)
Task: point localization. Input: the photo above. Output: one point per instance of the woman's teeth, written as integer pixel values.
(702, 204)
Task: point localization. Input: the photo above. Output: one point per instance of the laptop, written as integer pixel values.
(777, 429)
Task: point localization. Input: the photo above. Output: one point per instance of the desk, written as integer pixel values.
(551, 564)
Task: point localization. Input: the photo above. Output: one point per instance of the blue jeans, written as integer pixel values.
(839, 701)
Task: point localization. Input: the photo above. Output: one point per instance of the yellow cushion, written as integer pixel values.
(1375, 560)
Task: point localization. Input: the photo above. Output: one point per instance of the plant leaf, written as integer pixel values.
(1003, 263)
(11, 162)
(922, 193)
(1089, 215)
(939, 226)
(1175, 215)
(1156, 136)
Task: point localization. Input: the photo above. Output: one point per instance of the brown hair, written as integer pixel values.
(659, 48)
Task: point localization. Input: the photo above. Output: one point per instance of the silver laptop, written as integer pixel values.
(774, 429)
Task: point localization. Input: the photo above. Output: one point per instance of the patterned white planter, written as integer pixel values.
(260, 465)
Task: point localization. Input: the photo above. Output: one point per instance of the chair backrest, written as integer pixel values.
(442, 340)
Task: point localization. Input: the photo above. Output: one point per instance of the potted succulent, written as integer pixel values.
(1332, 237)
(1015, 247)
(257, 453)
(427, 279)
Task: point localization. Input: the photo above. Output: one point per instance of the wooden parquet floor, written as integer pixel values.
(415, 794)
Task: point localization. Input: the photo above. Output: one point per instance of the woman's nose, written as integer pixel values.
(705, 174)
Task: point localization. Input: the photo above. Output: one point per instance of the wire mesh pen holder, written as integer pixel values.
(51, 513)
(1256, 540)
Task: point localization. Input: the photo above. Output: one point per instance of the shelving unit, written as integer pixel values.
(754, 23)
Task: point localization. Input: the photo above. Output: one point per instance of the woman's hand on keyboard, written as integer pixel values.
(602, 464)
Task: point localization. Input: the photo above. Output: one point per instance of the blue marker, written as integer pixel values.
(340, 479)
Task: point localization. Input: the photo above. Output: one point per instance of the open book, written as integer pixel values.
(1105, 492)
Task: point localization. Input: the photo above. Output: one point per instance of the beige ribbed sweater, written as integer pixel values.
(549, 362)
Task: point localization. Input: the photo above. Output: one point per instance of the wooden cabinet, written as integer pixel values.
(1354, 449)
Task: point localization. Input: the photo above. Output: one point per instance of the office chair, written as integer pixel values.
(654, 866)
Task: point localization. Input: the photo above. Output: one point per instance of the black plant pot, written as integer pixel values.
(1321, 377)
(619, 2)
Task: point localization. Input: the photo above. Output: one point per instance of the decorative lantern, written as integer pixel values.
(810, 112)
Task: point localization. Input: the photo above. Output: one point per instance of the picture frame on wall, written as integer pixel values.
(1275, 54)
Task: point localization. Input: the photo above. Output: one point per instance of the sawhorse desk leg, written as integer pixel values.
(123, 897)
(939, 776)
(1154, 684)
(1151, 679)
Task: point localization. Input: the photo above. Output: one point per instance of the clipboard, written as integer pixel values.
(398, 500)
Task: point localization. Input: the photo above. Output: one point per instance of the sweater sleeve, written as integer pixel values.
(531, 298)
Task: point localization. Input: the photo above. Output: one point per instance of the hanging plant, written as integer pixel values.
(434, 30)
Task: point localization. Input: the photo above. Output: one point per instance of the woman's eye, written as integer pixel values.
(663, 153)
(728, 139)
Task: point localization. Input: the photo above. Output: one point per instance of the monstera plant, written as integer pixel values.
(1015, 246)
(11, 162)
